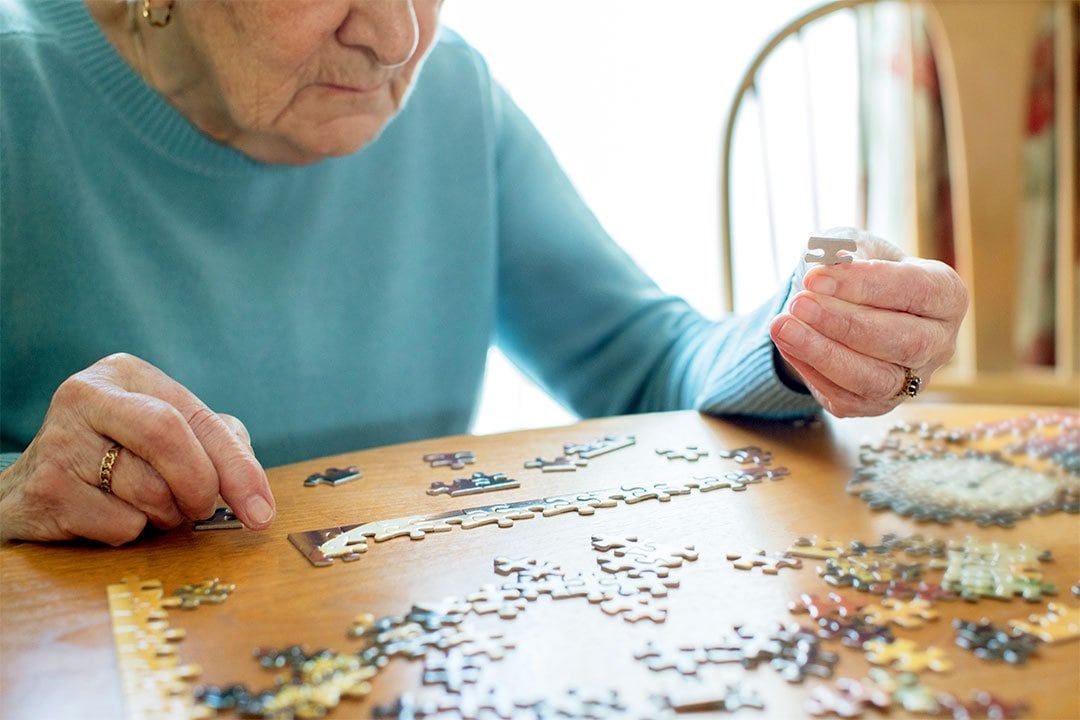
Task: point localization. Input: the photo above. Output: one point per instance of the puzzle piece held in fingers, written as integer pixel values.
(827, 250)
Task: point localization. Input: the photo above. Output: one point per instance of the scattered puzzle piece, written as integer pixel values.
(333, 476)
(222, 519)
(599, 447)
(1058, 624)
(831, 605)
(477, 483)
(909, 614)
(815, 548)
(560, 464)
(847, 698)
(452, 669)
(903, 654)
(697, 700)
(747, 454)
(454, 460)
(983, 705)
(770, 563)
(192, 595)
(990, 642)
(691, 453)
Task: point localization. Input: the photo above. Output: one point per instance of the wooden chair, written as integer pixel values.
(983, 54)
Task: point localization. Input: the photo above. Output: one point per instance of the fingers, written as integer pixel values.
(196, 452)
(105, 518)
(895, 337)
(837, 400)
(39, 502)
(817, 358)
(247, 489)
(858, 325)
(925, 288)
(156, 432)
(140, 486)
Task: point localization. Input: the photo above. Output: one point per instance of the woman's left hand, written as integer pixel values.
(856, 331)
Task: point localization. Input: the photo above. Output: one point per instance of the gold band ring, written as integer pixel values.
(912, 384)
(105, 474)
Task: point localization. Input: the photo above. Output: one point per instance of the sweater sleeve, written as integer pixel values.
(580, 318)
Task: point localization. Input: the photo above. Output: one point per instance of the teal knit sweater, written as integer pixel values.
(336, 306)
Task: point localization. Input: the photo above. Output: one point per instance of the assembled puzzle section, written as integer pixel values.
(155, 683)
(992, 473)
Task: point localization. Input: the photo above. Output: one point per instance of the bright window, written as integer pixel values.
(631, 95)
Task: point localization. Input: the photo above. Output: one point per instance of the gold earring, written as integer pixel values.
(158, 17)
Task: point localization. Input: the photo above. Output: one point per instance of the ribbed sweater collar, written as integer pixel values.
(145, 113)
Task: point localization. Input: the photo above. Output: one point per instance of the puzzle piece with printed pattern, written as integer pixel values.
(478, 482)
(584, 504)
(333, 476)
(452, 460)
(601, 446)
(853, 632)
(990, 642)
(770, 563)
(222, 519)
(1058, 624)
(815, 548)
(982, 705)
(903, 654)
(847, 698)
(910, 614)
(662, 492)
(191, 595)
(747, 454)
(645, 553)
(756, 473)
(831, 605)
(526, 568)
(696, 700)
(560, 464)
(502, 515)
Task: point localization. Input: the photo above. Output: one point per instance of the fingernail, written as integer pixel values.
(806, 309)
(821, 284)
(791, 332)
(259, 511)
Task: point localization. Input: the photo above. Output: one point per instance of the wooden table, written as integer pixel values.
(59, 661)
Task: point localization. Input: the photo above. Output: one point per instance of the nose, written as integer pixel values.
(386, 28)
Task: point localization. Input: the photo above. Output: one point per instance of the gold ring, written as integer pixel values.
(105, 475)
(912, 384)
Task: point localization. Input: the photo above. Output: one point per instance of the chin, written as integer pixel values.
(343, 137)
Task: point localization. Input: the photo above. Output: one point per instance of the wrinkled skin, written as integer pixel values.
(855, 328)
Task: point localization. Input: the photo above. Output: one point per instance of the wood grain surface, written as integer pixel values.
(58, 658)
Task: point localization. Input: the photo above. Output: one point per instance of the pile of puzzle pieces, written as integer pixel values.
(967, 474)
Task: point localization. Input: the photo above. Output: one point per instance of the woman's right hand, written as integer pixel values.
(176, 457)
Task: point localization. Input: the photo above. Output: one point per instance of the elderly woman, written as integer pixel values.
(318, 215)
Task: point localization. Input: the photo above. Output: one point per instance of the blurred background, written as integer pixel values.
(712, 142)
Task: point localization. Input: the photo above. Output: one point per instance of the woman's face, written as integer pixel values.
(300, 80)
